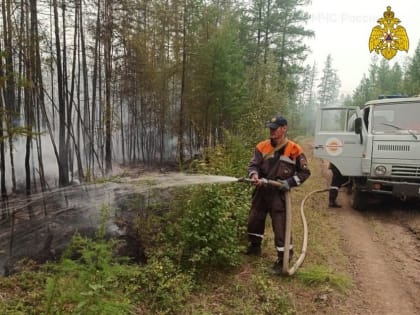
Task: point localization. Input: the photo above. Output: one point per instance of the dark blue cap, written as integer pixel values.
(276, 122)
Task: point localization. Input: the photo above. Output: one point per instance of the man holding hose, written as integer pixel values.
(282, 160)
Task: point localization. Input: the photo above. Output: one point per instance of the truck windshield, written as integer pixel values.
(396, 118)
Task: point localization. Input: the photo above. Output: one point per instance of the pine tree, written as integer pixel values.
(412, 75)
(330, 84)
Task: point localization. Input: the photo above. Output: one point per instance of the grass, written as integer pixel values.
(244, 289)
(323, 275)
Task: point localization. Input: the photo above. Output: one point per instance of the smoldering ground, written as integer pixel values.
(39, 227)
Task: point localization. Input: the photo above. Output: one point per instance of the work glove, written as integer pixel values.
(284, 185)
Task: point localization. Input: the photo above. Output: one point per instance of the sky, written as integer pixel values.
(342, 29)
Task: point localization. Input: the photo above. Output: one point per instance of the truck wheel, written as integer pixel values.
(359, 199)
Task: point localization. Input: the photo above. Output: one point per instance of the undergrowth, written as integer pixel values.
(195, 266)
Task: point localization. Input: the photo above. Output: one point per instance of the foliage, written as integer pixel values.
(206, 225)
(412, 74)
(218, 90)
(270, 300)
(86, 281)
(179, 73)
(89, 281)
(229, 159)
(185, 273)
(21, 294)
(382, 79)
(329, 87)
(163, 287)
(303, 120)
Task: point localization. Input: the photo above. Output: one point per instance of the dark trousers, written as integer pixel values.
(267, 200)
(336, 181)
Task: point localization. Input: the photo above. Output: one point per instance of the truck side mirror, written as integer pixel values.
(358, 128)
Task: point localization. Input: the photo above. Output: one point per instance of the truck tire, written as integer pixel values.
(359, 199)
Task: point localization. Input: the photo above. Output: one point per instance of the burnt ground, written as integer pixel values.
(382, 244)
(40, 227)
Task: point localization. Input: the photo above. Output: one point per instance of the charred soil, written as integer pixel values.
(377, 249)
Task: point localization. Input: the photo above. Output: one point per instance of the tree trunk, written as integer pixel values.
(2, 146)
(95, 75)
(108, 78)
(87, 136)
(38, 91)
(181, 118)
(63, 174)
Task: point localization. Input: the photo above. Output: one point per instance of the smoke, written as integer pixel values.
(49, 160)
(41, 225)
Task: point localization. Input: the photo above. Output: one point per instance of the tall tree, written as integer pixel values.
(63, 170)
(2, 146)
(381, 80)
(172, 75)
(412, 74)
(329, 87)
(11, 106)
(307, 100)
(279, 33)
(108, 78)
(290, 41)
(38, 91)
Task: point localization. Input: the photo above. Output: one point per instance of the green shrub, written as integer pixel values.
(270, 300)
(208, 222)
(163, 288)
(86, 281)
(228, 159)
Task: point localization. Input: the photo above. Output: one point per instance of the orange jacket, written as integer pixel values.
(286, 162)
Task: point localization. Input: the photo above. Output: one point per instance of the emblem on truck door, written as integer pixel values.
(334, 146)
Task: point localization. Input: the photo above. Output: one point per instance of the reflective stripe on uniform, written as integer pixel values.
(297, 180)
(287, 159)
(281, 249)
(334, 187)
(257, 235)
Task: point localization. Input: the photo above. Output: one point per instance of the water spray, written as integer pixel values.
(57, 210)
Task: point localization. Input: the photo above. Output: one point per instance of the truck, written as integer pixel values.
(376, 145)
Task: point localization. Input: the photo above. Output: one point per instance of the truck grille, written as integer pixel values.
(405, 171)
(394, 147)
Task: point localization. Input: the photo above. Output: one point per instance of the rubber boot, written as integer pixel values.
(253, 249)
(277, 268)
(333, 193)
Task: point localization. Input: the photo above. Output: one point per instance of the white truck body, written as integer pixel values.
(376, 145)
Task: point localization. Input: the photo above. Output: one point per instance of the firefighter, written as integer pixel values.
(282, 160)
(337, 180)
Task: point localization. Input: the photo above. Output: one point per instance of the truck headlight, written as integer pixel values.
(380, 170)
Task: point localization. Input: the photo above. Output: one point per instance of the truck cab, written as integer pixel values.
(376, 145)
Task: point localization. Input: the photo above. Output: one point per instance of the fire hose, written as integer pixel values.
(288, 230)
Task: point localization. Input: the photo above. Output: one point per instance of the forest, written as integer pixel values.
(86, 85)
(89, 86)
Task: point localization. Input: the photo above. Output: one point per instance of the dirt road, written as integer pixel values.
(383, 245)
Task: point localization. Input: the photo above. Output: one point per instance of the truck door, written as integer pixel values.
(337, 141)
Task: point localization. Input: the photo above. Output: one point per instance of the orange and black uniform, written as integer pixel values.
(284, 162)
